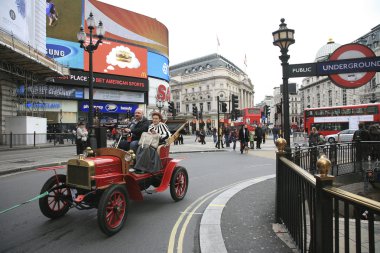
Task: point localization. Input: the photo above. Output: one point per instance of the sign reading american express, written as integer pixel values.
(349, 66)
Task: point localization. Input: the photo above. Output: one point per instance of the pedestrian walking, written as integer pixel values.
(259, 136)
(243, 137)
(275, 131)
(202, 136)
(233, 137)
(361, 135)
(265, 129)
(214, 135)
(374, 135)
(82, 135)
(196, 135)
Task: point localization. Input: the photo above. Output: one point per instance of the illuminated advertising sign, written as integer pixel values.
(158, 66)
(80, 78)
(105, 107)
(119, 59)
(65, 52)
(116, 95)
(63, 19)
(51, 91)
(158, 90)
(128, 26)
(25, 21)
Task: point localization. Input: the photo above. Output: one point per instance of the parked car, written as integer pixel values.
(342, 136)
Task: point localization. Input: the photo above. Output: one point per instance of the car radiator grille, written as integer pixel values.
(78, 176)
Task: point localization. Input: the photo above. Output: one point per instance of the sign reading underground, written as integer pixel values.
(350, 66)
(350, 76)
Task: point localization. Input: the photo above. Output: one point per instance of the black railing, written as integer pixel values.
(343, 156)
(12, 140)
(320, 217)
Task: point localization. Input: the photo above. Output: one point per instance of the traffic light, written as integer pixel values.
(200, 114)
(268, 110)
(195, 111)
(235, 102)
(224, 107)
(171, 107)
(237, 114)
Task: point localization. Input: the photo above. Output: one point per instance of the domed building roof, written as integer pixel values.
(325, 51)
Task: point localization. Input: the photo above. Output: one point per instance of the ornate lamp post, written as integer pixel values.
(159, 104)
(90, 48)
(283, 38)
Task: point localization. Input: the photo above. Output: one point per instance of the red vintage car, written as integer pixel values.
(103, 179)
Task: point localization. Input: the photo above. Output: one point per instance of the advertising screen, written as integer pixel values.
(158, 66)
(25, 20)
(80, 78)
(63, 19)
(119, 59)
(158, 89)
(50, 91)
(116, 95)
(65, 52)
(128, 26)
(108, 107)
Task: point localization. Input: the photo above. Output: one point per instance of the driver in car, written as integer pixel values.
(139, 125)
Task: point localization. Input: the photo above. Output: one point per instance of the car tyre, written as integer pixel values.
(331, 140)
(113, 209)
(58, 201)
(179, 183)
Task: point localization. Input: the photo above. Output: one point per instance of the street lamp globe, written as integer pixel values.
(91, 21)
(283, 37)
(81, 35)
(100, 31)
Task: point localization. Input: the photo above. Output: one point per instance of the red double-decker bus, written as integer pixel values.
(249, 116)
(331, 120)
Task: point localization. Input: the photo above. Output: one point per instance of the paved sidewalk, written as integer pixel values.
(24, 158)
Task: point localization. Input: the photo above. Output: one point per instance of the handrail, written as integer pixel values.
(309, 177)
(357, 199)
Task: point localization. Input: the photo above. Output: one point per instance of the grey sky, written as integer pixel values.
(245, 27)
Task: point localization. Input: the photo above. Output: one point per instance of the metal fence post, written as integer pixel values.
(34, 138)
(323, 221)
(280, 143)
(11, 140)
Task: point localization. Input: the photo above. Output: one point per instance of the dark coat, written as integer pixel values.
(244, 137)
(259, 132)
(313, 139)
(139, 128)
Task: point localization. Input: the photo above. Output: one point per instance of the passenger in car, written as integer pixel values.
(159, 127)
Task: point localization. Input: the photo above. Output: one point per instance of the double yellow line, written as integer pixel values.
(189, 211)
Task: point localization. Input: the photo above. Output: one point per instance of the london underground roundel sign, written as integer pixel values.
(351, 80)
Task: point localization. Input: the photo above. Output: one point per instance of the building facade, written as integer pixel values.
(200, 81)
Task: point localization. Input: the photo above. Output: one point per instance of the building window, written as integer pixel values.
(192, 89)
(187, 107)
(209, 106)
(344, 97)
(319, 100)
(308, 99)
(330, 97)
(201, 107)
(178, 106)
(186, 91)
